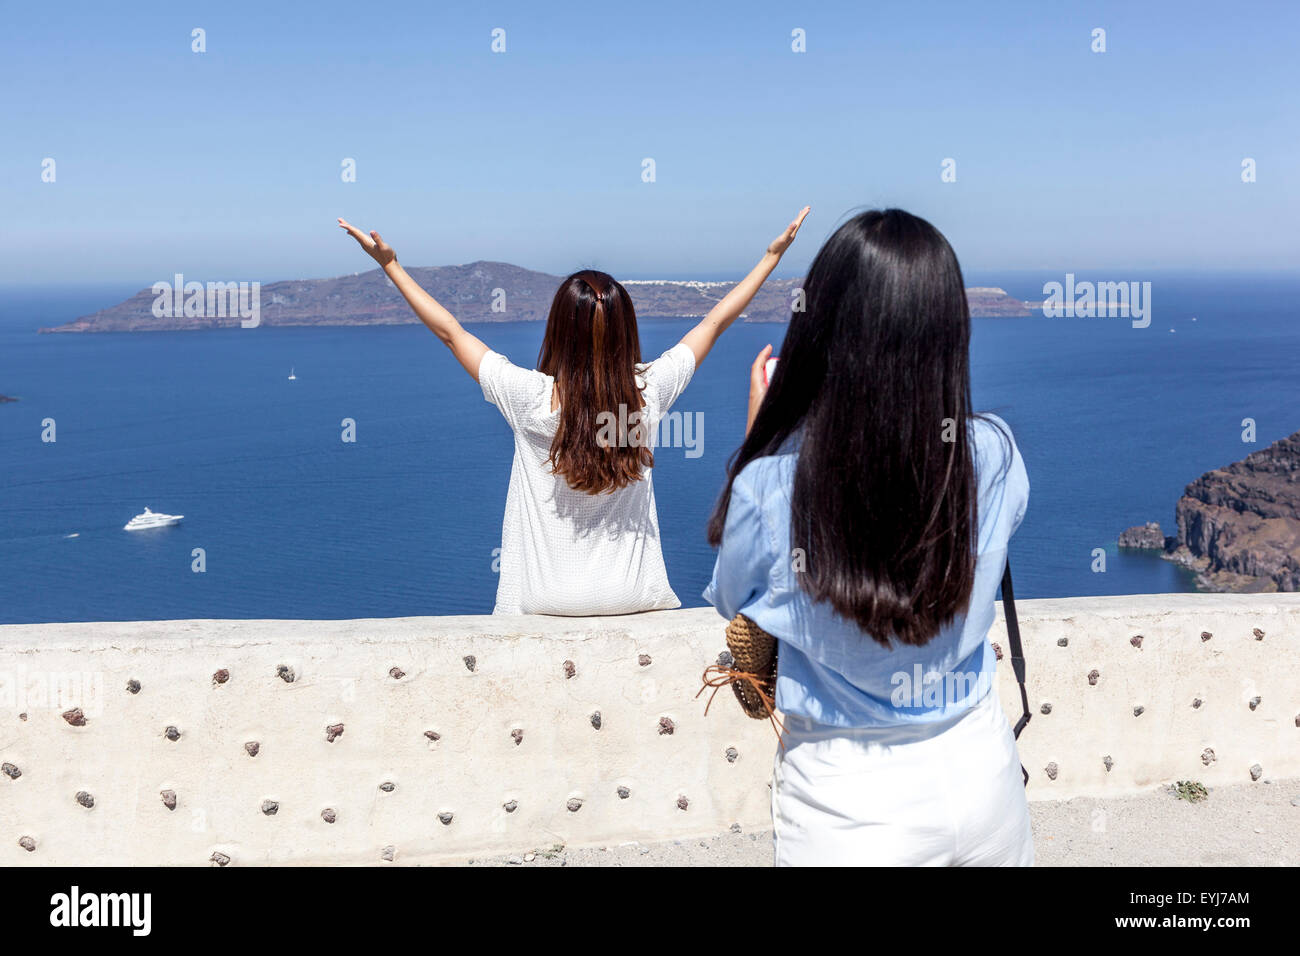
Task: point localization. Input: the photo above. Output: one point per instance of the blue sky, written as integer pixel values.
(226, 164)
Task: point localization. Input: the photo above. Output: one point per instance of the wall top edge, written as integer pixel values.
(633, 626)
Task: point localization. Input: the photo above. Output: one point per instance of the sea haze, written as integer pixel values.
(1112, 421)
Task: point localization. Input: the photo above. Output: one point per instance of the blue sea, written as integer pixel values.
(293, 522)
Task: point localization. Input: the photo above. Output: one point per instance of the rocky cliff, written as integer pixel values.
(1239, 526)
(470, 292)
(1145, 536)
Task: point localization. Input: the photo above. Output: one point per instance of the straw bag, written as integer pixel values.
(752, 674)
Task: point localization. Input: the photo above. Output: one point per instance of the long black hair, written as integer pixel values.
(874, 377)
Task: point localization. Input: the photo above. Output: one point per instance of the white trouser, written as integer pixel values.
(883, 797)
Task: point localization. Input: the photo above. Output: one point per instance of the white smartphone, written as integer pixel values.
(768, 368)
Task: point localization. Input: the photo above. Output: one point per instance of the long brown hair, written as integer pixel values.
(590, 348)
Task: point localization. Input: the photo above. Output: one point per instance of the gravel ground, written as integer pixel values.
(1250, 825)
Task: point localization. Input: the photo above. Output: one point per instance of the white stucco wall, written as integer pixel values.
(635, 671)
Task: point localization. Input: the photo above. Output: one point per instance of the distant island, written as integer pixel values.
(470, 292)
(1238, 526)
(6, 398)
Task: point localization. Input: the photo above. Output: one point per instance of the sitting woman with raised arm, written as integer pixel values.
(580, 534)
(865, 525)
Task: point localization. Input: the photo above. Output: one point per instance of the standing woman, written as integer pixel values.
(581, 534)
(865, 525)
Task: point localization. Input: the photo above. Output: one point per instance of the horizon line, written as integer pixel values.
(1280, 272)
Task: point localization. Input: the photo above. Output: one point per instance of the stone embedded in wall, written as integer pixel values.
(27, 843)
(76, 717)
(270, 807)
(570, 669)
(1051, 770)
(133, 686)
(595, 719)
(1094, 675)
(219, 859)
(85, 799)
(1136, 641)
(169, 799)
(252, 748)
(10, 771)
(1254, 702)
(172, 733)
(221, 676)
(329, 815)
(333, 732)
(1256, 772)
(517, 735)
(666, 725)
(445, 817)
(470, 662)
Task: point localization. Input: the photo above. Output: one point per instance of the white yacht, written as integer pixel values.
(151, 519)
(292, 377)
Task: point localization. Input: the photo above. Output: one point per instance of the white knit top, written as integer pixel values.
(563, 551)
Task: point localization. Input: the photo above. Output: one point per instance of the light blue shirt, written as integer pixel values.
(828, 670)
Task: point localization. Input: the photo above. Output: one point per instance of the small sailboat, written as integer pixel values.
(151, 519)
(292, 377)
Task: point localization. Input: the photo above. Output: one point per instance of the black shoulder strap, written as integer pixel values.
(1017, 653)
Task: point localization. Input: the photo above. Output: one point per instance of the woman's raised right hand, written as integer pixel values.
(781, 243)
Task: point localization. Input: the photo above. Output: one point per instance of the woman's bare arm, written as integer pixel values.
(467, 347)
(702, 338)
